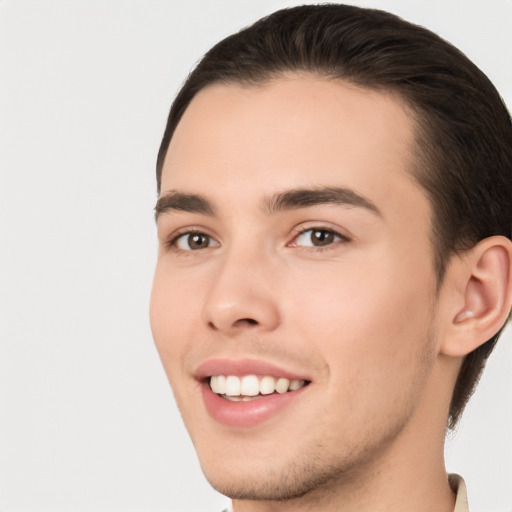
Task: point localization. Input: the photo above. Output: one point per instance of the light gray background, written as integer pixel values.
(87, 422)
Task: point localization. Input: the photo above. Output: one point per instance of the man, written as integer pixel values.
(335, 259)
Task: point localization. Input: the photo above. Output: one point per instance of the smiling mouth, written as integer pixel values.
(252, 387)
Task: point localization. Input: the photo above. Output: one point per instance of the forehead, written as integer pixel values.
(294, 131)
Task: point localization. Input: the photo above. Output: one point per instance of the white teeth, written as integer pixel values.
(267, 385)
(218, 384)
(296, 384)
(213, 384)
(282, 385)
(239, 398)
(248, 386)
(221, 384)
(233, 387)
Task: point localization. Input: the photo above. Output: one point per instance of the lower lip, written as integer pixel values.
(246, 414)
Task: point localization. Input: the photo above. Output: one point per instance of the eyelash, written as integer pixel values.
(173, 240)
(319, 248)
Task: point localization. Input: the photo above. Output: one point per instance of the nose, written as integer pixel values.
(241, 297)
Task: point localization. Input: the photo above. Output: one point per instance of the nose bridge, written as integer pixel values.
(241, 293)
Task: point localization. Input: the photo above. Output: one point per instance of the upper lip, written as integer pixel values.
(240, 367)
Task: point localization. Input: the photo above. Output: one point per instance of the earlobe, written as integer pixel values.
(485, 286)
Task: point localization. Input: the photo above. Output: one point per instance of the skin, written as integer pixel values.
(360, 316)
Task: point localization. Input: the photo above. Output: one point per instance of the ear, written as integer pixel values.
(480, 295)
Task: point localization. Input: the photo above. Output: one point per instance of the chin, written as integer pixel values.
(275, 480)
(292, 470)
(273, 486)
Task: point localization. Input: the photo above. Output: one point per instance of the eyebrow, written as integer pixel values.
(183, 202)
(306, 197)
(293, 199)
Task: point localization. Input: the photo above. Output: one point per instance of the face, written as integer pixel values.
(295, 277)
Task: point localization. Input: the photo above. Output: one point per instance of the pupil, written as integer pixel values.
(198, 241)
(322, 237)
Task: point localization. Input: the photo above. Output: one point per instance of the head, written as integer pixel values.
(463, 133)
(335, 205)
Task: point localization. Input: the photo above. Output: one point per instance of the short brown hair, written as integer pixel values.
(463, 135)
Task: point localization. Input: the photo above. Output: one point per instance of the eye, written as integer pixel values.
(318, 237)
(193, 241)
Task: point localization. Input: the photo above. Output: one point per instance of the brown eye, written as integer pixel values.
(321, 237)
(317, 237)
(194, 241)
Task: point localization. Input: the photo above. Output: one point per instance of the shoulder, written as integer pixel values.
(459, 488)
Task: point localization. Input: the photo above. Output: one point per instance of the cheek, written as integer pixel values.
(373, 320)
(373, 333)
(174, 315)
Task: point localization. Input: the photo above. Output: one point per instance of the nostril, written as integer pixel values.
(248, 321)
(238, 323)
(212, 326)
